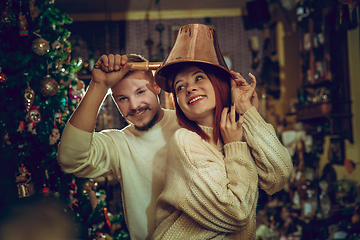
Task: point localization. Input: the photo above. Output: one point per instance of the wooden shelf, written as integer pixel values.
(314, 110)
(324, 76)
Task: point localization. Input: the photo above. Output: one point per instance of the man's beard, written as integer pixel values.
(149, 125)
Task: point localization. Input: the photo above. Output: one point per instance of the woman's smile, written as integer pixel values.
(196, 99)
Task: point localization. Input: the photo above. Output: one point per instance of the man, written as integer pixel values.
(135, 155)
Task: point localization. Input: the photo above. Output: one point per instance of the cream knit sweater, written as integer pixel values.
(211, 191)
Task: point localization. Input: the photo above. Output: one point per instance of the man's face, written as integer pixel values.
(136, 102)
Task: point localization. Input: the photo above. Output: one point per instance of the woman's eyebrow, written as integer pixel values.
(177, 82)
(197, 72)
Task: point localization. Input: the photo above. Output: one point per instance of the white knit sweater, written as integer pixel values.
(136, 158)
(211, 191)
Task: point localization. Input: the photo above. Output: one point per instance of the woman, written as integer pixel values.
(216, 162)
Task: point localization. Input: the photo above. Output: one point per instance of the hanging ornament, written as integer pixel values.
(29, 96)
(76, 91)
(8, 17)
(46, 189)
(34, 10)
(56, 44)
(73, 202)
(90, 185)
(40, 46)
(74, 94)
(80, 86)
(54, 136)
(33, 115)
(63, 72)
(107, 219)
(22, 23)
(102, 236)
(7, 139)
(3, 77)
(23, 182)
(58, 118)
(33, 118)
(48, 86)
(73, 186)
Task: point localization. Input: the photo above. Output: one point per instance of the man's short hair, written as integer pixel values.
(132, 57)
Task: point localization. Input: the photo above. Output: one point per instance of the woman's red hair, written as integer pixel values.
(221, 87)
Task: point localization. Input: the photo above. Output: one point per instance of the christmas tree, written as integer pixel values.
(39, 90)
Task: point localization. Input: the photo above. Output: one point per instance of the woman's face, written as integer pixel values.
(195, 95)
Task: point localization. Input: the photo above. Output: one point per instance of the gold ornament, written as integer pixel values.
(49, 87)
(40, 46)
(24, 184)
(29, 98)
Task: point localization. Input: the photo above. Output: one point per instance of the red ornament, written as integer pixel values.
(3, 77)
(74, 94)
(46, 191)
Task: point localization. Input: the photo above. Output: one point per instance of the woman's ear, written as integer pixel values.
(157, 88)
(154, 88)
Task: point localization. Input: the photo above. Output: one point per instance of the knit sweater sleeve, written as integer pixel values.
(219, 193)
(274, 163)
(85, 154)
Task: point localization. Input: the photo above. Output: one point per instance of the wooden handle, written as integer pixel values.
(142, 66)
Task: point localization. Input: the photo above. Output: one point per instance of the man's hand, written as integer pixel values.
(243, 94)
(118, 66)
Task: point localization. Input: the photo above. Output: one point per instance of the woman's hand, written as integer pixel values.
(231, 130)
(117, 65)
(255, 100)
(243, 94)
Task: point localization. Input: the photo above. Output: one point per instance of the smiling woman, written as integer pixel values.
(194, 92)
(195, 95)
(220, 158)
